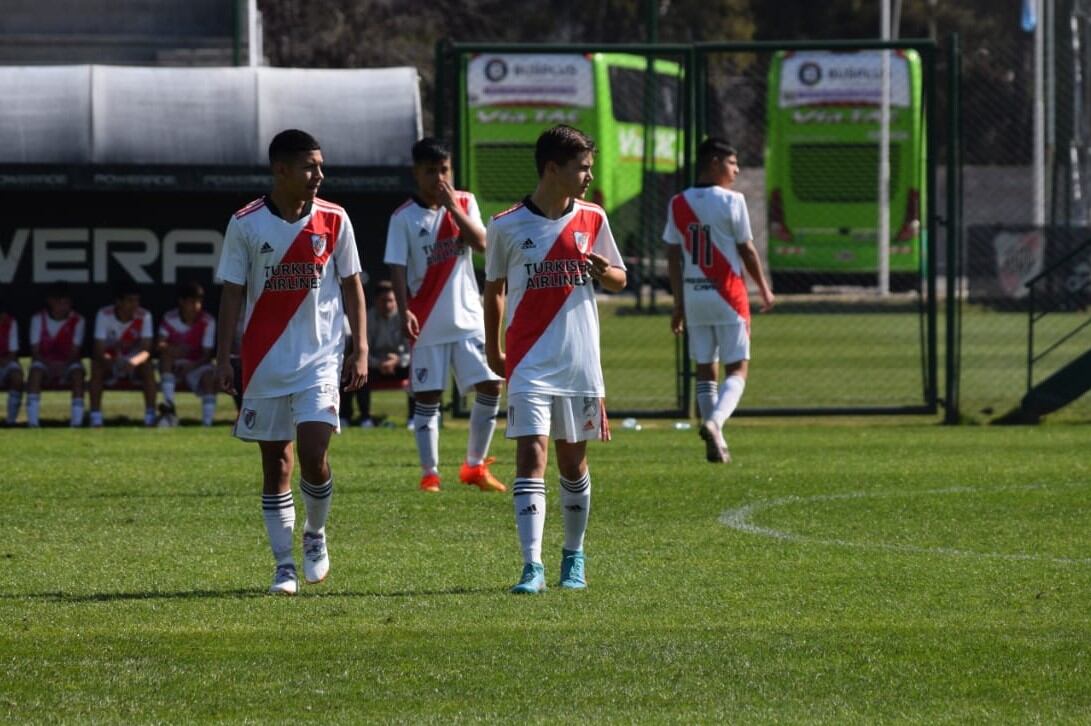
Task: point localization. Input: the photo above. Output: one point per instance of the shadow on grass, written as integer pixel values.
(65, 597)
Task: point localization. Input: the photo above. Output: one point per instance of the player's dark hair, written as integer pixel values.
(290, 142)
(430, 150)
(383, 286)
(190, 290)
(713, 148)
(560, 145)
(58, 290)
(124, 288)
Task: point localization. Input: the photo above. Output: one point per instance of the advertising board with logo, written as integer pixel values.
(550, 79)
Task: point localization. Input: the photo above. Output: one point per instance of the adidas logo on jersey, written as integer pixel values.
(266, 247)
(528, 510)
(528, 244)
(423, 232)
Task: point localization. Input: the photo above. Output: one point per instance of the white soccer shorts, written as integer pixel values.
(193, 375)
(729, 343)
(57, 372)
(429, 365)
(569, 418)
(7, 371)
(275, 419)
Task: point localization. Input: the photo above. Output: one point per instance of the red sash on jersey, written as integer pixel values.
(5, 333)
(189, 340)
(57, 347)
(540, 306)
(731, 287)
(437, 275)
(130, 334)
(274, 309)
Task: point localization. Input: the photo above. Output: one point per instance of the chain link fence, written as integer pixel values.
(1025, 265)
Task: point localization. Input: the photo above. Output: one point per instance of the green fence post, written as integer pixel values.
(954, 226)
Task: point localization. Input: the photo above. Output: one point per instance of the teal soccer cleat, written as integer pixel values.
(572, 566)
(533, 580)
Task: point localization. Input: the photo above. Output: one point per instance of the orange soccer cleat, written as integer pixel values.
(429, 483)
(480, 476)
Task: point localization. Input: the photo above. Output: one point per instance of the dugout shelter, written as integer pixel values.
(109, 172)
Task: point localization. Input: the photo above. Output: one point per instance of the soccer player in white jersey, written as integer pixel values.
(428, 247)
(123, 344)
(186, 341)
(546, 252)
(56, 339)
(293, 257)
(709, 245)
(11, 373)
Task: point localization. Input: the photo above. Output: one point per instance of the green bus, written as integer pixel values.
(508, 99)
(822, 168)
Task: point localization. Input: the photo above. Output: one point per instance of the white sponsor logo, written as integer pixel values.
(81, 255)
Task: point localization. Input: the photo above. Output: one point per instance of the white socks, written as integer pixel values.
(576, 502)
(729, 399)
(166, 385)
(208, 409)
(34, 408)
(279, 513)
(706, 398)
(482, 424)
(15, 400)
(426, 429)
(77, 412)
(316, 500)
(530, 505)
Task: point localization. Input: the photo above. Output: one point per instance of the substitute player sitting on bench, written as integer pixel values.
(187, 338)
(122, 352)
(56, 339)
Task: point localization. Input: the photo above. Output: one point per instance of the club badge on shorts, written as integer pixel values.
(318, 244)
(249, 416)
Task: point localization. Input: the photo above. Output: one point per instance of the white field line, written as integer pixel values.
(740, 519)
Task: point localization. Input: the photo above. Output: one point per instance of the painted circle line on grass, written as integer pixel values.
(740, 519)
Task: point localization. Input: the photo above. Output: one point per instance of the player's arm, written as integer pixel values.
(141, 357)
(411, 326)
(674, 269)
(493, 303)
(354, 374)
(471, 230)
(226, 322)
(752, 262)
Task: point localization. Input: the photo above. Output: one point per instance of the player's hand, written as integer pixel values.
(768, 300)
(678, 320)
(497, 361)
(599, 265)
(411, 327)
(446, 194)
(354, 374)
(225, 377)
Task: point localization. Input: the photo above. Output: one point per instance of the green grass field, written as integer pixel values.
(857, 572)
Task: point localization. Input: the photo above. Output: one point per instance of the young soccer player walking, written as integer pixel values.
(428, 247)
(710, 244)
(293, 256)
(546, 252)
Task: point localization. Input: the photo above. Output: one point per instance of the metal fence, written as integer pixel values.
(1024, 270)
(954, 328)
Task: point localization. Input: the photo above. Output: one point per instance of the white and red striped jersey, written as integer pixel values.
(122, 336)
(552, 340)
(55, 339)
(9, 335)
(193, 338)
(293, 332)
(709, 222)
(439, 271)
